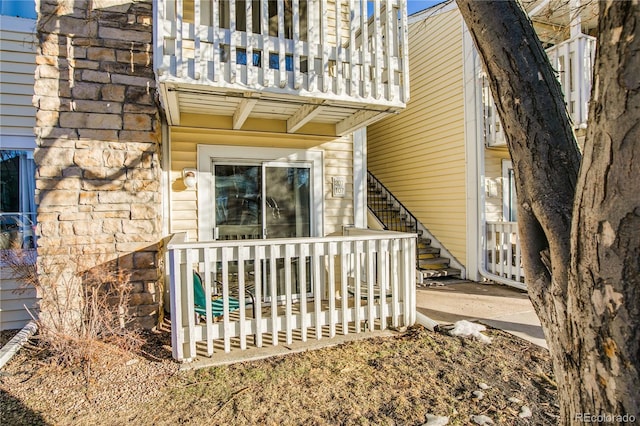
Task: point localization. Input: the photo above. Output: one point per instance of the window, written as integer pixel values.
(18, 8)
(256, 14)
(509, 197)
(17, 205)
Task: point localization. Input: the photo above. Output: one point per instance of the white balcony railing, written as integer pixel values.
(300, 288)
(503, 251)
(573, 61)
(312, 48)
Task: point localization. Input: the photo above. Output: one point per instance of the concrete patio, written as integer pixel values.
(497, 306)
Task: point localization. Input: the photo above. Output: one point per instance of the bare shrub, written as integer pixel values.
(84, 305)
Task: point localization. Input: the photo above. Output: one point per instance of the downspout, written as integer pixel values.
(473, 134)
(14, 345)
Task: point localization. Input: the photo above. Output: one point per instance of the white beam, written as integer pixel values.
(358, 120)
(302, 116)
(539, 8)
(172, 105)
(242, 112)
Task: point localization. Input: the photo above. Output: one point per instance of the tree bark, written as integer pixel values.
(579, 225)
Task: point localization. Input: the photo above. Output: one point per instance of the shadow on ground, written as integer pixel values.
(13, 412)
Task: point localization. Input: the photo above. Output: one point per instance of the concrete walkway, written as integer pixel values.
(494, 305)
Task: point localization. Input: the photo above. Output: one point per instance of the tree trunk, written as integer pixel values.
(582, 258)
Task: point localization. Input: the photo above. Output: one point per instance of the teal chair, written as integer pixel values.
(200, 300)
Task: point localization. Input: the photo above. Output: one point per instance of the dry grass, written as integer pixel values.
(84, 304)
(395, 380)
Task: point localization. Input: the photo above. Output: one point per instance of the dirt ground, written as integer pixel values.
(381, 381)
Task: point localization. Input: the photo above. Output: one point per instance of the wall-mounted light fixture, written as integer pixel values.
(189, 178)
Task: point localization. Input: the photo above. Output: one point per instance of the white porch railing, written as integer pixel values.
(309, 48)
(573, 60)
(503, 251)
(313, 281)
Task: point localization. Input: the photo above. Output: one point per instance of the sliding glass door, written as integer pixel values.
(267, 200)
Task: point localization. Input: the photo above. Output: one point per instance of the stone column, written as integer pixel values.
(98, 135)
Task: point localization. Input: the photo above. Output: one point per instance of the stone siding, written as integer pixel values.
(98, 137)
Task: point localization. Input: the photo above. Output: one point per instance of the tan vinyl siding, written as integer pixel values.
(17, 68)
(337, 161)
(420, 154)
(15, 299)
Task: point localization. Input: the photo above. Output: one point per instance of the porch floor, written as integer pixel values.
(268, 349)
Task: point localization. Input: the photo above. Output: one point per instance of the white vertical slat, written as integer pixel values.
(317, 291)
(353, 51)
(189, 305)
(170, 27)
(332, 289)
(377, 33)
(357, 282)
(324, 42)
(383, 251)
(491, 234)
(175, 286)
(407, 273)
(273, 293)
(198, 70)
(250, 43)
(503, 246)
(226, 254)
(394, 252)
(297, 45)
(344, 294)
(282, 69)
(518, 256)
(403, 51)
(312, 45)
(160, 31)
(267, 73)
(180, 62)
(207, 277)
(242, 256)
(581, 115)
(288, 312)
(258, 256)
(233, 42)
(411, 278)
(564, 50)
(509, 259)
(215, 24)
(371, 255)
(365, 74)
(389, 26)
(302, 280)
(339, 49)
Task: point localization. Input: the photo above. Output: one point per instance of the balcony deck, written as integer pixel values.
(299, 61)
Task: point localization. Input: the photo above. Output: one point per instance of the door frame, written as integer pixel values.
(208, 154)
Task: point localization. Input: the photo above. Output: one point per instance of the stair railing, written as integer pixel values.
(388, 209)
(382, 208)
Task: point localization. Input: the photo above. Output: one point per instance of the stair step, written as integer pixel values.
(434, 262)
(445, 272)
(424, 242)
(428, 249)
